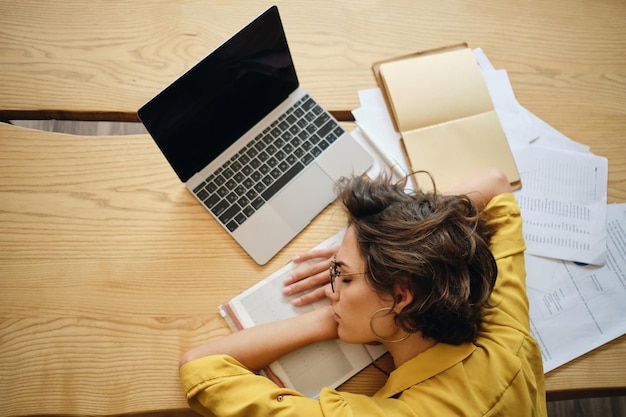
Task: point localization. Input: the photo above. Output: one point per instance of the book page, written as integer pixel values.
(435, 88)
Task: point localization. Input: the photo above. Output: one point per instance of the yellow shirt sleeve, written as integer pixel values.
(508, 246)
(221, 386)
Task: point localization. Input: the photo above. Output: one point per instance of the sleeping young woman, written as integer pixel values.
(438, 278)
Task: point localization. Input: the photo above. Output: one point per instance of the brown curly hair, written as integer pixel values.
(437, 246)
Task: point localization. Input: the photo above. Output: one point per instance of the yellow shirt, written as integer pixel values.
(501, 374)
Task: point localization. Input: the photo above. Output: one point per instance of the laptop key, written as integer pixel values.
(251, 194)
(220, 208)
(202, 194)
(321, 120)
(283, 166)
(228, 173)
(211, 187)
(258, 202)
(232, 197)
(240, 218)
(232, 225)
(282, 181)
(219, 180)
(326, 129)
(280, 155)
(252, 152)
(229, 214)
(308, 105)
(222, 191)
(307, 159)
(211, 200)
(276, 173)
(259, 186)
(316, 151)
(294, 129)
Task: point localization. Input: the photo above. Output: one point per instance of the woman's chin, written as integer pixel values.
(353, 339)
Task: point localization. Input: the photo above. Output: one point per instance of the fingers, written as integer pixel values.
(311, 297)
(310, 276)
(315, 253)
(306, 278)
(304, 272)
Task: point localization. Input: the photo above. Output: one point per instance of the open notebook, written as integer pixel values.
(308, 370)
(440, 104)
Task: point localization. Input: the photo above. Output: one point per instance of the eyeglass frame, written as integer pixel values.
(334, 274)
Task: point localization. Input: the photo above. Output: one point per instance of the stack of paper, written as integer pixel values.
(577, 293)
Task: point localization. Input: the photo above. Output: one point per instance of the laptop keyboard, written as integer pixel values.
(259, 170)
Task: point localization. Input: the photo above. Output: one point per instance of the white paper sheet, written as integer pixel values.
(374, 117)
(574, 309)
(563, 204)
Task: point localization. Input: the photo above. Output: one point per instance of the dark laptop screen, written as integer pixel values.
(214, 103)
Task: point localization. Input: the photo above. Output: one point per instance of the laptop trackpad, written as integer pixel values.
(301, 200)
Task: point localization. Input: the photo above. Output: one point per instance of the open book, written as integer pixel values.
(307, 370)
(440, 104)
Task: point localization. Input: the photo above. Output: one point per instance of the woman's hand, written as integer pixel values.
(313, 275)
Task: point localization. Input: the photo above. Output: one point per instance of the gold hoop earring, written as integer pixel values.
(382, 339)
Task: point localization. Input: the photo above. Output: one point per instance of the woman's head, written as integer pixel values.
(435, 247)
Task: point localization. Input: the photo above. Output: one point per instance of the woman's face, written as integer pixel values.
(354, 301)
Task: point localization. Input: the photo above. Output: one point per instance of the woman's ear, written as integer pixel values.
(403, 296)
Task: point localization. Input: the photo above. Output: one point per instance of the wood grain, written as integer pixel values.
(110, 271)
(108, 267)
(109, 58)
(103, 60)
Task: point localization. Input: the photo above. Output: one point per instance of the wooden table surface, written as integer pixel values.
(109, 269)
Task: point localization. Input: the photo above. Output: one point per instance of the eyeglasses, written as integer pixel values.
(334, 272)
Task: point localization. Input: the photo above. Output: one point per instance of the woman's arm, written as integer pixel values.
(482, 187)
(257, 347)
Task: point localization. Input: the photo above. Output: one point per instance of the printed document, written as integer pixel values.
(563, 204)
(573, 308)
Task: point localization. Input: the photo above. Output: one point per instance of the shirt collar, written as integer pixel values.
(424, 366)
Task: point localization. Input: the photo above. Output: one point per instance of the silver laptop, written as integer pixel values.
(253, 147)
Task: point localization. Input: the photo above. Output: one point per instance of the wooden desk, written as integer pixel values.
(109, 269)
(102, 60)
